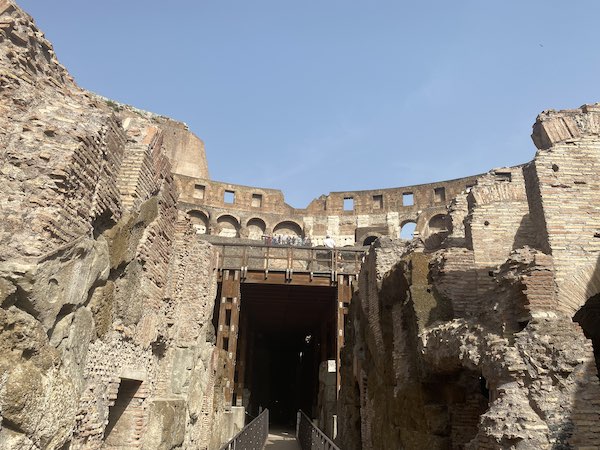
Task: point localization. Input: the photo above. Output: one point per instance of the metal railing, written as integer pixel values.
(314, 260)
(253, 436)
(310, 437)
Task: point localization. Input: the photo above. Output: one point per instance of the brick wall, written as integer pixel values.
(565, 168)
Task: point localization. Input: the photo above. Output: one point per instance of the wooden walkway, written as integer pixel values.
(282, 440)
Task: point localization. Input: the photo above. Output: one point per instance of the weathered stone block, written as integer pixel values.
(166, 424)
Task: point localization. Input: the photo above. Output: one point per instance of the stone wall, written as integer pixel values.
(106, 299)
(489, 342)
(184, 149)
(566, 171)
(351, 218)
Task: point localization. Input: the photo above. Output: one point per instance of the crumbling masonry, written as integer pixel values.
(482, 332)
(492, 335)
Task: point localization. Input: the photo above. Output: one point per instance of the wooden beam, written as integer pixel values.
(228, 332)
(344, 296)
(241, 365)
(297, 279)
(233, 340)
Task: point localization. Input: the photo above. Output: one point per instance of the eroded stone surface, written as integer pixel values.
(90, 321)
(484, 349)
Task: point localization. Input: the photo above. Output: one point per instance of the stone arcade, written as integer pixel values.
(141, 308)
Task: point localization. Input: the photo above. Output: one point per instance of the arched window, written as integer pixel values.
(407, 231)
(199, 221)
(288, 228)
(229, 226)
(256, 228)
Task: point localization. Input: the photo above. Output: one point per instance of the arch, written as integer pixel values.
(199, 221)
(578, 286)
(228, 226)
(408, 230)
(370, 239)
(588, 317)
(288, 228)
(256, 228)
(438, 223)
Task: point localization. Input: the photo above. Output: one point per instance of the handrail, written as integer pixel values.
(262, 244)
(289, 259)
(253, 436)
(310, 437)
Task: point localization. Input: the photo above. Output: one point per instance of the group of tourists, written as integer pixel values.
(287, 240)
(295, 241)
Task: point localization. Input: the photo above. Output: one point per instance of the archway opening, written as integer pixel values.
(289, 331)
(288, 228)
(228, 226)
(407, 231)
(438, 223)
(256, 229)
(199, 221)
(588, 317)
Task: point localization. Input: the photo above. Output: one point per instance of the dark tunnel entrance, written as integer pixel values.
(287, 331)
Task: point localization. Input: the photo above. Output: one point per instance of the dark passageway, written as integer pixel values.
(284, 375)
(286, 332)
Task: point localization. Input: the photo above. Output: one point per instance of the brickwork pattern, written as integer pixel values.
(99, 281)
(568, 187)
(509, 367)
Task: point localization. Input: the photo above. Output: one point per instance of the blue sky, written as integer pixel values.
(317, 96)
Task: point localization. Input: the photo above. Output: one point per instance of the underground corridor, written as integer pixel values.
(285, 332)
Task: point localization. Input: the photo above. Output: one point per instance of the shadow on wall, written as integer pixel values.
(369, 240)
(526, 234)
(588, 316)
(584, 423)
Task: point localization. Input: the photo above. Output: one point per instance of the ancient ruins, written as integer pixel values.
(145, 305)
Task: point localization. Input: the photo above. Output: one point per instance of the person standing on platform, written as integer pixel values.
(329, 242)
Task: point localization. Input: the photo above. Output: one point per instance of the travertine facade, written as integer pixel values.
(350, 218)
(481, 333)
